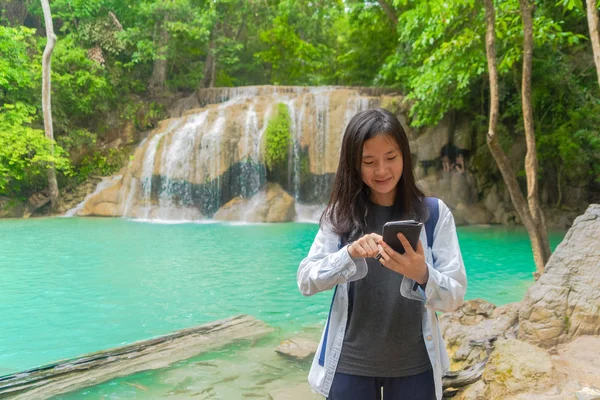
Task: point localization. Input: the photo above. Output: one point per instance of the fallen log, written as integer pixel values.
(160, 352)
(457, 379)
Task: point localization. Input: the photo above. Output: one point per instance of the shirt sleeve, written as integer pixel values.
(447, 284)
(328, 264)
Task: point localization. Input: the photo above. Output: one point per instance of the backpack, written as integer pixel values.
(434, 214)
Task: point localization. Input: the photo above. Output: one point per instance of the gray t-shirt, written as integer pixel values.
(383, 334)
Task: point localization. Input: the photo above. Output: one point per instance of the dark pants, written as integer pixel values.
(355, 387)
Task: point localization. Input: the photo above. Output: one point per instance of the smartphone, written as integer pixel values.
(410, 228)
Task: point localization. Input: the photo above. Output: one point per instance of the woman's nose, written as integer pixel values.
(380, 169)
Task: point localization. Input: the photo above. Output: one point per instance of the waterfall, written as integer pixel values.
(129, 197)
(193, 165)
(209, 162)
(251, 172)
(321, 142)
(175, 198)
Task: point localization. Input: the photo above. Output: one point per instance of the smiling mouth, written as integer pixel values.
(383, 181)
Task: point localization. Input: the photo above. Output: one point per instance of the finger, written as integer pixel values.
(369, 245)
(377, 238)
(359, 250)
(407, 247)
(385, 257)
(373, 249)
(389, 251)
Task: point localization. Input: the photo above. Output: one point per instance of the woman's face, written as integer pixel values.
(381, 168)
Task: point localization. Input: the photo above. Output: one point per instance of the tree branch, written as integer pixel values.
(389, 11)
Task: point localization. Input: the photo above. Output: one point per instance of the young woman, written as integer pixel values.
(382, 330)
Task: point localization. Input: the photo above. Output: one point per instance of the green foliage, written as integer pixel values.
(144, 116)
(434, 54)
(366, 38)
(102, 163)
(25, 152)
(278, 138)
(78, 140)
(576, 143)
(299, 43)
(443, 57)
(17, 69)
(82, 85)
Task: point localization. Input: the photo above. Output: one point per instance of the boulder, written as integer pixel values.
(565, 301)
(297, 348)
(272, 204)
(106, 203)
(516, 366)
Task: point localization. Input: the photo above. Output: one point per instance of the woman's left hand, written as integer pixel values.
(410, 264)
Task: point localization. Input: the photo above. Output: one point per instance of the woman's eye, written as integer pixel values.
(392, 158)
(368, 163)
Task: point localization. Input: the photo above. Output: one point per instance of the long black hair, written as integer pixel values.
(347, 208)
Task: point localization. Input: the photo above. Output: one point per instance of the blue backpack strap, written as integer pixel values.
(434, 214)
(324, 345)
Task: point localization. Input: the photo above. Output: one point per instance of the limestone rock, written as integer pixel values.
(105, 203)
(472, 329)
(280, 205)
(11, 208)
(476, 391)
(588, 393)
(273, 204)
(77, 195)
(463, 135)
(578, 363)
(297, 348)
(456, 191)
(516, 366)
(473, 214)
(428, 146)
(565, 301)
(233, 210)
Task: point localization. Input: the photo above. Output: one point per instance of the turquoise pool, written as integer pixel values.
(72, 286)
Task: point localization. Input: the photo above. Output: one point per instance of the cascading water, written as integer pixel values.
(251, 173)
(191, 166)
(175, 199)
(321, 142)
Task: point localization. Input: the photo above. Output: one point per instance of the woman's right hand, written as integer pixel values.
(365, 247)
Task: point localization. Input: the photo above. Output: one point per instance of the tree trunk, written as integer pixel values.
(159, 72)
(593, 22)
(541, 246)
(389, 11)
(210, 66)
(46, 104)
(492, 140)
(14, 11)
